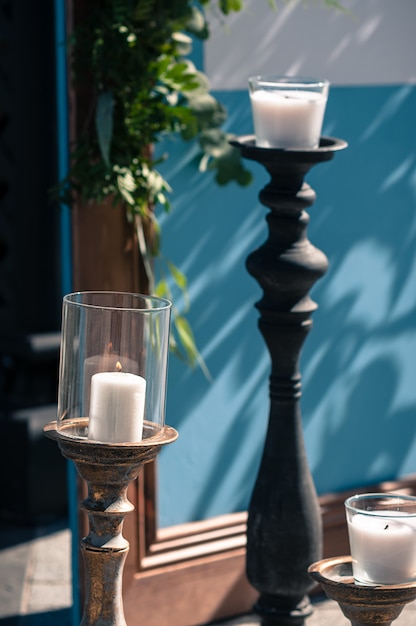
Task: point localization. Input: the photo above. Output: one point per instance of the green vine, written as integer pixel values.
(131, 59)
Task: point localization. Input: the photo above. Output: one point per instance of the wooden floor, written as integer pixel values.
(35, 574)
(35, 584)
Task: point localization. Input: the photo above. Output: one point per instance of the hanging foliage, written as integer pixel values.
(131, 59)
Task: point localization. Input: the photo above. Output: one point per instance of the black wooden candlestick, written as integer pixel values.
(284, 522)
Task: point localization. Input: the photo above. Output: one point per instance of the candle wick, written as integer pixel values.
(119, 367)
(386, 527)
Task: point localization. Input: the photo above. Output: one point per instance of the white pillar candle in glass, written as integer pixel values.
(103, 331)
(288, 112)
(117, 407)
(107, 362)
(382, 535)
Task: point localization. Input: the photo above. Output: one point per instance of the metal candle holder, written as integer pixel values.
(110, 421)
(107, 469)
(284, 521)
(362, 605)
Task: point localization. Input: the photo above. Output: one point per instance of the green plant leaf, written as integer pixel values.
(197, 24)
(219, 155)
(161, 289)
(178, 276)
(183, 44)
(104, 124)
(334, 4)
(187, 338)
(126, 185)
(227, 6)
(208, 111)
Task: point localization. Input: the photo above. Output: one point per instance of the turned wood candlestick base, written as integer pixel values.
(284, 533)
(107, 469)
(363, 605)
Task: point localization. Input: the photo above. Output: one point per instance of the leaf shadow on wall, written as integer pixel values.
(359, 393)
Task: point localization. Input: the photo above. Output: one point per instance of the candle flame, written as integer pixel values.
(119, 367)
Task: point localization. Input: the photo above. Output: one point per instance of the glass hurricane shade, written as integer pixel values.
(113, 366)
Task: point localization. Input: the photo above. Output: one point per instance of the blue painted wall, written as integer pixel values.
(221, 421)
(358, 364)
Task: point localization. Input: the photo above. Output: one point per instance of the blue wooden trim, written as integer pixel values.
(63, 138)
(66, 262)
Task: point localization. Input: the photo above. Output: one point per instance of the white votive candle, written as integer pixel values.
(383, 547)
(117, 407)
(287, 119)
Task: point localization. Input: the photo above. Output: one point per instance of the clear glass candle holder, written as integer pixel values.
(113, 366)
(288, 111)
(382, 535)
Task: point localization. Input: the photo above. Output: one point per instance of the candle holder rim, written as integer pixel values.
(374, 495)
(293, 81)
(320, 571)
(70, 297)
(166, 434)
(326, 144)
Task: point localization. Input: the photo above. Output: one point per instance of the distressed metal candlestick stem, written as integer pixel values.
(362, 605)
(284, 522)
(107, 469)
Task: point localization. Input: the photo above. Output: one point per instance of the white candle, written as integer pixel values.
(383, 547)
(287, 119)
(106, 362)
(117, 407)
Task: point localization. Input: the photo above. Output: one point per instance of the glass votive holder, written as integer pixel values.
(113, 366)
(382, 535)
(288, 111)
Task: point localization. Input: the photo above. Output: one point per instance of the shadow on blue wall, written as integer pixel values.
(359, 396)
(359, 362)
